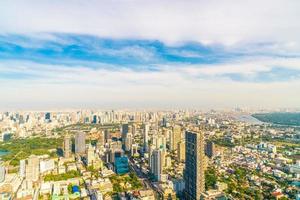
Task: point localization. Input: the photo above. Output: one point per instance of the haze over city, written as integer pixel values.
(149, 54)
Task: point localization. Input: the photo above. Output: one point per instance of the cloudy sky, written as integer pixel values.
(149, 54)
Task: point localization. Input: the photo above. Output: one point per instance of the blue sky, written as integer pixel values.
(140, 54)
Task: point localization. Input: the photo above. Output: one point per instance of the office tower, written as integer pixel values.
(95, 119)
(47, 117)
(146, 135)
(91, 158)
(33, 168)
(128, 142)
(115, 153)
(209, 149)
(134, 150)
(175, 137)
(156, 164)
(181, 151)
(80, 142)
(106, 135)
(133, 129)
(124, 131)
(158, 143)
(2, 172)
(101, 140)
(164, 122)
(22, 169)
(194, 165)
(67, 146)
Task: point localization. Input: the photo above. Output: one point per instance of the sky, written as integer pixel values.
(149, 54)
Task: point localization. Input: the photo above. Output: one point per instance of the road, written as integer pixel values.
(147, 183)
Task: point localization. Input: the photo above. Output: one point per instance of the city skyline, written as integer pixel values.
(138, 54)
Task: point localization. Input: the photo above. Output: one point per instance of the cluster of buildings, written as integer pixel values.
(169, 151)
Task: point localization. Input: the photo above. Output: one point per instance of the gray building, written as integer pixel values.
(194, 165)
(80, 142)
(209, 149)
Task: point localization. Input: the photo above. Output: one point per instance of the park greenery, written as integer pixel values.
(210, 178)
(19, 149)
(120, 181)
(60, 177)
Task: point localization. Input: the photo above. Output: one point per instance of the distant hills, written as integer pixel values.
(280, 118)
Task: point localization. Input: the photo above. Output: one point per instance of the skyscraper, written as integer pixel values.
(181, 151)
(47, 117)
(22, 169)
(2, 172)
(101, 140)
(209, 149)
(128, 141)
(194, 165)
(67, 146)
(80, 142)
(156, 164)
(146, 135)
(124, 131)
(33, 168)
(175, 137)
(90, 155)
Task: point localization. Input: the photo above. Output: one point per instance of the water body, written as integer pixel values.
(248, 119)
(3, 152)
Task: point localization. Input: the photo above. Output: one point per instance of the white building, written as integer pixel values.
(47, 165)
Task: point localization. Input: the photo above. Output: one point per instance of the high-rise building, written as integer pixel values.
(67, 146)
(133, 129)
(175, 137)
(91, 158)
(80, 142)
(128, 142)
(181, 151)
(101, 140)
(209, 149)
(124, 131)
(156, 164)
(47, 117)
(33, 168)
(145, 137)
(2, 173)
(22, 169)
(95, 119)
(194, 165)
(107, 135)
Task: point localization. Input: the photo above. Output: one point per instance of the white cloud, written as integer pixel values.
(82, 87)
(226, 22)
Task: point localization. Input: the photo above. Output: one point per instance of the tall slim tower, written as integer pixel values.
(124, 132)
(146, 135)
(156, 164)
(128, 141)
(181, 151)
(90, 155)
(80, 142)
(175, 137)
(33, 168)
(194, 165)
(209, 149)
(67, 146)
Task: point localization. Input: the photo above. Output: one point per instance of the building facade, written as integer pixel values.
(194, 165)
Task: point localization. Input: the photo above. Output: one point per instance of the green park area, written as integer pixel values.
(19, 149)
(61, 177)
(125, 182)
